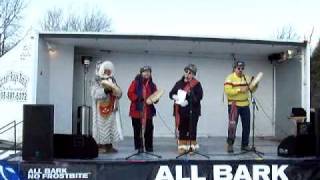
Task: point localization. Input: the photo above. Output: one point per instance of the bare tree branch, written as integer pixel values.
(287, 33)
(10, 16)
(73, 23)
(56, 20)
(52, 20)
(96, 21)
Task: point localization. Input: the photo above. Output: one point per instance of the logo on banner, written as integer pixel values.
(13, 87)
(225, 172)
(7, 172)
(56, 173)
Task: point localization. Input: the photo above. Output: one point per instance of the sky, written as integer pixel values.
(251, 19)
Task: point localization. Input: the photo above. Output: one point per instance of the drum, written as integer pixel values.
(256, 80)
(155, 96)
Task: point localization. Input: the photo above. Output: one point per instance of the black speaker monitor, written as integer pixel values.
(75, 146)
(37, 138)
(297, 146)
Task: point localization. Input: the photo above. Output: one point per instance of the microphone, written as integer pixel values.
(252, 77)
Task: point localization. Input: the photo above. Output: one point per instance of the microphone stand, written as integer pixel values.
(254, 107)
(141, 149)
(189, 134)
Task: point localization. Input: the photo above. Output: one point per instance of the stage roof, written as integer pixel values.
(106, 42)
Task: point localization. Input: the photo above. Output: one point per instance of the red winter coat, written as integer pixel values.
(136, 97)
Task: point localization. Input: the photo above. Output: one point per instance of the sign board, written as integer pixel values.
(18, 69)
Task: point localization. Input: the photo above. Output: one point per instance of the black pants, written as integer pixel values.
(186, 127)
(244, 113)
(148, 134)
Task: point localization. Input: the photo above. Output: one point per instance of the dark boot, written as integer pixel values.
(230, 145)
(230, 148)
(101, 149)
(149, 149)
(245, 148)
(109, 149)
(140, 150)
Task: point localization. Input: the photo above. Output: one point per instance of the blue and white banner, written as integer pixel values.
(8, 171)
(176, 170)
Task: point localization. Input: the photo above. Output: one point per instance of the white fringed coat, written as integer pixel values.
(105, 130)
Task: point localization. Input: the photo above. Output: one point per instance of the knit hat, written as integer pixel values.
(192, 68)
(145, 68)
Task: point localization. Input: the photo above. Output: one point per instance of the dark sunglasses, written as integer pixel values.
(188, 71)
(104, 78)
(240, 68)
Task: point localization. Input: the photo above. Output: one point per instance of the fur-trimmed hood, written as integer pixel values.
(103, 66)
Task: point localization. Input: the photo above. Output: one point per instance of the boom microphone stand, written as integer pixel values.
(190, 119)
(141, 149)
(254, 107)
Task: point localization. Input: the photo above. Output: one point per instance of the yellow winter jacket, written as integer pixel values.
(232, 86)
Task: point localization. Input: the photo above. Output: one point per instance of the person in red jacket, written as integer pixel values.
(140, 112)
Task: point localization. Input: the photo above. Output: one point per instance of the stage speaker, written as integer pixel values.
(297, 146)
(75, 146)
(37, 138)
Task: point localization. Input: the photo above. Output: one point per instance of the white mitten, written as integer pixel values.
(175, 97)
(184, 103)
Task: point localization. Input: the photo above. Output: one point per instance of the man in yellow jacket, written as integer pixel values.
(236, 87)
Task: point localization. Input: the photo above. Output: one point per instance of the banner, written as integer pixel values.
(176, 170)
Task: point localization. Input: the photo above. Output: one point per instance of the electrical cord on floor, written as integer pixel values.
(165, 124)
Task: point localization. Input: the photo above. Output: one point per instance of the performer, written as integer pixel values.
(236, 87)
(141, 112)
(106, 127)
(188, 110)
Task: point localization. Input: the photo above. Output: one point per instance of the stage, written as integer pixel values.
(115, 166)
(214, 147)
(166, 147)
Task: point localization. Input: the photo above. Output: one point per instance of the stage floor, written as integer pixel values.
(214, 147)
